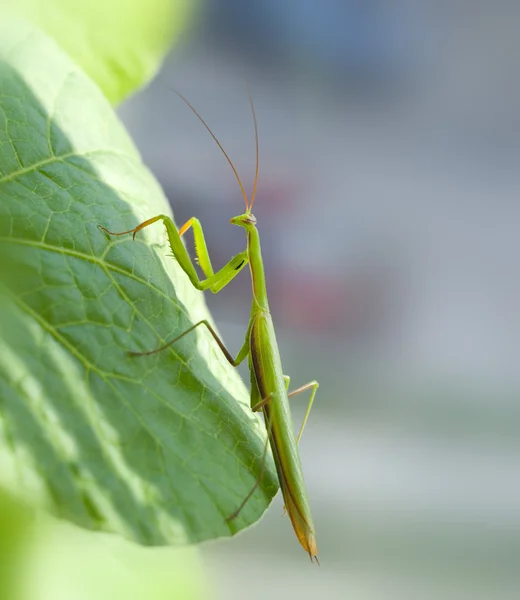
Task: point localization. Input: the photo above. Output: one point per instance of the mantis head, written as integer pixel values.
(247, 220)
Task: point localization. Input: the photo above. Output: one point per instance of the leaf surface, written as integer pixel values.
(160, 449)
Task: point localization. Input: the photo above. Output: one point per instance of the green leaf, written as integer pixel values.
(120, 44)
(16, 524)
(160, 449)
(61, 561)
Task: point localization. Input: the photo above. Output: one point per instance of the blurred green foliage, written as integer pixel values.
(119, 44)
(15, 528)
(42, 559)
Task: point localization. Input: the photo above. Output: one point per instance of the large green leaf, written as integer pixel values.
(161, 448)
(120, 44)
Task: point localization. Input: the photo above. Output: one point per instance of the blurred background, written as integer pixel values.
(389, 214)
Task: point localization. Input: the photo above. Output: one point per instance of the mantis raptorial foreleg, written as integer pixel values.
(214, 281)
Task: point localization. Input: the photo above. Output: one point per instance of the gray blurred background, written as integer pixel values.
(389, 214)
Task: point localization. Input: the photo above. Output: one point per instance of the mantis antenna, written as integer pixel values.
(244, 195)
(253, 195)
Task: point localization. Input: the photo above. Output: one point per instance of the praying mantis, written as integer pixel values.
(269, 385)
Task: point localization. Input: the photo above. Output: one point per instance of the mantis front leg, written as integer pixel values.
(214, 281)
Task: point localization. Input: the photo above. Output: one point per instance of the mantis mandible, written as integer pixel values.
(269, 386)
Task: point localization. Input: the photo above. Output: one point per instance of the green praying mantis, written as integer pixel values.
(269, 385)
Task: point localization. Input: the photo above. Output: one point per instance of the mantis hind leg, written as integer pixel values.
(260, 478)
(257, 406)
(314, 385)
